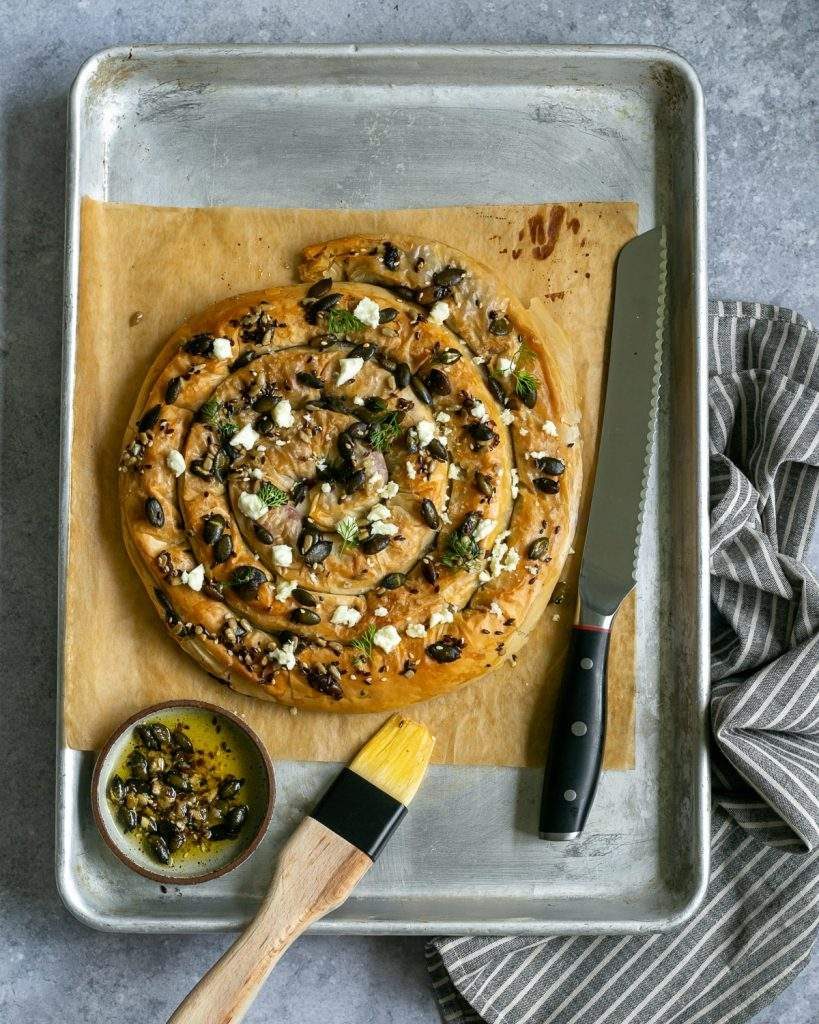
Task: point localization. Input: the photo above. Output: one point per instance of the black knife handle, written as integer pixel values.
(578, 734)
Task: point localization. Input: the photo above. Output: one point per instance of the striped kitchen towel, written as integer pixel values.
(755, 928)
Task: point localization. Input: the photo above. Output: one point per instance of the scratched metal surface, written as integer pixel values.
(396, 127)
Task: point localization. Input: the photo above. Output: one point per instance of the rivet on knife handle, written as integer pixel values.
(578, 736)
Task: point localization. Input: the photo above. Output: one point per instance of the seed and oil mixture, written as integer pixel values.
(174, 789)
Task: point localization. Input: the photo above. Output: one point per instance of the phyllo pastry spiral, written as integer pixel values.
(358, 492)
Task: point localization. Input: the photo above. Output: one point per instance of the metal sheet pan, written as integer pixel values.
(326, 126)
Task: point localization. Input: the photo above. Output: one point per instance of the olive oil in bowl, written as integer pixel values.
(183, 792)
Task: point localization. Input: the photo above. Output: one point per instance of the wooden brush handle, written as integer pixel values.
(317, 870)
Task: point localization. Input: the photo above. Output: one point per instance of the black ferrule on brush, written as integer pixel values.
(359, 812)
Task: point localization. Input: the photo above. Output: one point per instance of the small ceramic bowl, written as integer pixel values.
(259, 794)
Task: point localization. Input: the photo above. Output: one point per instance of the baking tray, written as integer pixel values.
(373, 126)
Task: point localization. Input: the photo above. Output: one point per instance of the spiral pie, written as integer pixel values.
(357, 492)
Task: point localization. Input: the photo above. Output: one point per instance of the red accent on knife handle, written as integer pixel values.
(578, 735)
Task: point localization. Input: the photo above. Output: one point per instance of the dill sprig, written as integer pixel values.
(213, 413)
(272, 496)
(384, 433)
(525, 380)
(365, 643)
(342, 321)
(462, 551)
(347, 529)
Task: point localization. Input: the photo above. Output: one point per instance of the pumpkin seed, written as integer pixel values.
(448, 276)
(437, 450)
(394, 580)
(305, 617)
(538, 548)
(159, 849)
(387, 314)
(199, 345)
(482, 432)
(235, 818)
(420, 390)
(546, 484)
(154, 513)
(304, 597)
(391, 256)
(298, 492)
(263, 535)
(559, 593)
(116, 789)
(363, 351)
(373, 545)
(499, 326)
(318, 552)
(401, 375)
(429, 570)
(309, 379)
(213, 528)
(245, 359)
(448, 648)
(173, 389)
(447, 356)
(223, 549)
(429, 513)
(149, 418)
(229, 787)
(127, 818)
(438, 383)
(319, 288)
(551, 466)
(484, 484)
(355, 481)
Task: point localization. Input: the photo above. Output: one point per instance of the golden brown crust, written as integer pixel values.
(242, 625)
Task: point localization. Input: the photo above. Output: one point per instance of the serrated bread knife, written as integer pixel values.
(610, 553)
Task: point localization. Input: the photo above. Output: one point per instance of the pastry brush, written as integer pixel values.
(318, 867)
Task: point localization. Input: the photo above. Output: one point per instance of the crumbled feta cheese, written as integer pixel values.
(536, 455)
(379, 528)
(478, 410)
(556, 617)
(282, 554)
(414, 629)
(515, 478)
(533, 569)
(283, 414)
(442, 616)
(480, 360)
(348, 370)
(387, 638)
(344, 615)
(426, 432)
(507, 417)
(504, 365)
(550, 428)
(279, 442)
(221, 348)
(439, 312)
(251, 505)
(358, 400)
(380, 612)
(388, 491)
(367, 312)
(286, 654)
(454, 472)
(326, 488)
(321, 464)
(175, 461)
(411, 474)
(484, 528)
(496, 609)
(195, 578)
(510, 563)
(378, 512)
(572, 434)
(523, 432)
(244, 438)
(443, 417)
(256, 473)
(284, 588)
(484, 576)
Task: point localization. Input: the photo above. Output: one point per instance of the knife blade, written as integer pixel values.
(610, 554)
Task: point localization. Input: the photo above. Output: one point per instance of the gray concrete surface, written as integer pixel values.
(758, 65)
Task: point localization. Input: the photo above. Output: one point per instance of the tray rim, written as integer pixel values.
(627, 53)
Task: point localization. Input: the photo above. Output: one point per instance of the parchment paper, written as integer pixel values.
(169, 263)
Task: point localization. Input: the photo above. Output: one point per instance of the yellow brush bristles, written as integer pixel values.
(396, 758)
